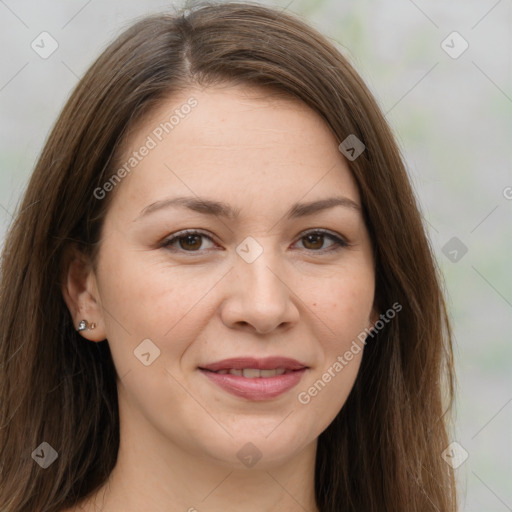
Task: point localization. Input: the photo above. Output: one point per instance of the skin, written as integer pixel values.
(180, 433)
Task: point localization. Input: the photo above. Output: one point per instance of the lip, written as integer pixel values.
(259, 388)
(266, 363)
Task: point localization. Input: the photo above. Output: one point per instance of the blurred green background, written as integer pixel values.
(452, 115)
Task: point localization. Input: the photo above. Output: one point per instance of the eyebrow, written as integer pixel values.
(221, 209)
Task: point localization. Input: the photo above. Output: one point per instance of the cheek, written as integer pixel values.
(144, 296)
(325, 393)
(344, 303)
(343, 310)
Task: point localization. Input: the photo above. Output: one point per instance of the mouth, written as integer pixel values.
(253, 364)
(255, 379)
(253, 373)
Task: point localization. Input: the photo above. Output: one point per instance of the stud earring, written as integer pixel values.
(84, 325)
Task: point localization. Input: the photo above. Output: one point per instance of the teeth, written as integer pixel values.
(253, 373)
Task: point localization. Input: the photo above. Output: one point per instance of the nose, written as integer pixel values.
(259, 297)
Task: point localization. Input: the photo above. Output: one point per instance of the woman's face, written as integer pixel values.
(202, 326)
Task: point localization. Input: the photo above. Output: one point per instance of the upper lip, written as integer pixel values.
(267, 363)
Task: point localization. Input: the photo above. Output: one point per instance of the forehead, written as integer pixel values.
(232, 142)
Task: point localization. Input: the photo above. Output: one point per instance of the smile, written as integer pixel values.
(255, 379)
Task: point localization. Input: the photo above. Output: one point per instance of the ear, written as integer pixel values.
(80, 292)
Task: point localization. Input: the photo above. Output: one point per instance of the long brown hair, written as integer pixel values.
(383, 450)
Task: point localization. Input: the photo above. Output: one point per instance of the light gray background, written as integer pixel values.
(453, 120)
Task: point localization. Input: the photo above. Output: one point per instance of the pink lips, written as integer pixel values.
(264, 387)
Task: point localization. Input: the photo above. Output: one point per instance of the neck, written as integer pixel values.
(152, 473)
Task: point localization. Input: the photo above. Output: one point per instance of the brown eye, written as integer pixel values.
(191, 241)
(314, 241)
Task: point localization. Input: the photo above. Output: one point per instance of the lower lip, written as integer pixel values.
(259, 388)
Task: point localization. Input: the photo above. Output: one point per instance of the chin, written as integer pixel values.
(263, 451)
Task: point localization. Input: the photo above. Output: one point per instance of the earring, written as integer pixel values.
(84, 325)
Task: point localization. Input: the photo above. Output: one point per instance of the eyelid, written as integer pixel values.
(179, 234)
(323, 231)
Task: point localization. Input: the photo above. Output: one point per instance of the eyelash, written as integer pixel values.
(339, 242)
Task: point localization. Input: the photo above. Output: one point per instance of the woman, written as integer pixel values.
(218, 291)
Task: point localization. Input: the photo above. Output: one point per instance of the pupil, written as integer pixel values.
(318, 238)
(188, 242)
